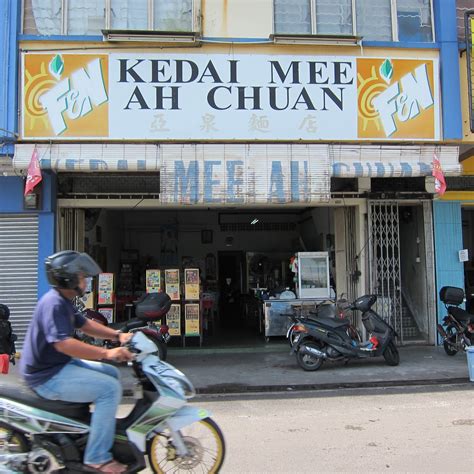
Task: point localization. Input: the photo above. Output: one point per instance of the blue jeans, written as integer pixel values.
(83, 381)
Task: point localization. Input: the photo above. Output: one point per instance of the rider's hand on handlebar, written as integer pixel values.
(119, 354)
(124, 337)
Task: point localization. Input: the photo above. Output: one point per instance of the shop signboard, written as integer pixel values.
(257, 97)
(173, 320)
(172, 283)
(191, 317)
(106, 289)
(153, 281)
(191, 283)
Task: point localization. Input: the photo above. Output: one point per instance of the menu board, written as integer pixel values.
(107, 313)
(191, 317)
(106, 288)
(153, 281)
(172, 283)
(191, 284)
(173, 320)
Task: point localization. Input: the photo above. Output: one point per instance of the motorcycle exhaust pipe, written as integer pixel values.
(312, 351)
(441, 331)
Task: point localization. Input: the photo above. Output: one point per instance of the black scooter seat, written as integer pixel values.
(21, 393)
(460, 314)
(333, 323)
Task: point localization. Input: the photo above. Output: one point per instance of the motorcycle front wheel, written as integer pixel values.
(204, 441)
(309, 362)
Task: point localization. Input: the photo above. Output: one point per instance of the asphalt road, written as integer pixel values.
(425, 429)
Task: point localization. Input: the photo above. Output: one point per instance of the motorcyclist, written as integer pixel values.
(58, 367)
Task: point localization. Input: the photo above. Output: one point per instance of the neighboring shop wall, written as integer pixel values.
(448, 241)
(232, 18)
(11, 202)
(9, 24)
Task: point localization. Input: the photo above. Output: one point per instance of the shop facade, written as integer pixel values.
(232, 161)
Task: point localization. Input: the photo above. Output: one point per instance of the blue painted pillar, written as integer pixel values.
(9, 29)
(446, 36)
(448, 241)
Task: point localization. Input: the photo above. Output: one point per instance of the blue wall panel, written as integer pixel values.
(446, 37)
(448, 242)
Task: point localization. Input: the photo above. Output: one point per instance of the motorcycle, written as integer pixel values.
(315, 339)
(457, 330)
(146, 321)
(45, 436)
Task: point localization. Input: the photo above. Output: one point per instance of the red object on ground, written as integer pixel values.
(4, 363)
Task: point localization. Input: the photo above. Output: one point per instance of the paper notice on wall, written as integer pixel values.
(191, 315)
(153, 281)
(172, 283)
(173, 320)
(107, 313)
(191, 284)
(106, 288)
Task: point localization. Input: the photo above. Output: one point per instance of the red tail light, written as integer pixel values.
(300, 328)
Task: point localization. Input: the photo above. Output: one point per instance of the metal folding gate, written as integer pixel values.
(384, 261)
(71, 229)
(351, 255)
(19, 268)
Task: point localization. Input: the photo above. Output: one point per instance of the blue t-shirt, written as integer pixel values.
(54, 320)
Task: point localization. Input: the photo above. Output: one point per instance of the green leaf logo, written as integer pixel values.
(56, 66)
(386, 71)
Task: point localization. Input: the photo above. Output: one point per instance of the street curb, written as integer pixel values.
(232, 389)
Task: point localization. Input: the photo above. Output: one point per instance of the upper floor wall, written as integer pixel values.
(405, 21)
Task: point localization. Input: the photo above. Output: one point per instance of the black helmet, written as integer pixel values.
(63, 269)
(4, 312)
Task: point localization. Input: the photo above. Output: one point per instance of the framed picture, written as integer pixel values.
(172, 283)
(191, 283)
(313, 275)
(191, 318)
(106, 289)
(153, 281)
(108, 313)
(173, 320)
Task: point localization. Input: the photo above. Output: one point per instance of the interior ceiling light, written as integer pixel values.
(254, 221)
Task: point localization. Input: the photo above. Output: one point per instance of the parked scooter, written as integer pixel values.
(45, 436)
(318, 338)
(150, 311)
(458, 330)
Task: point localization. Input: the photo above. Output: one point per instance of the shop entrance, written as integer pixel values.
(242, 258)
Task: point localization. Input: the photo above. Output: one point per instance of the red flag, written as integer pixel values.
(34, 173)
(440, 182)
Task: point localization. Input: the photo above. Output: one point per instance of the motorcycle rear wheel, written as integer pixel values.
(308, 362)
(205, 441)
(391, 354)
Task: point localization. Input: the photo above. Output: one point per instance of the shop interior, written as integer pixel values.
(243, 258)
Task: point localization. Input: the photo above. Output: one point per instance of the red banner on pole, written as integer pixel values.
(440, 182)
(34, 173)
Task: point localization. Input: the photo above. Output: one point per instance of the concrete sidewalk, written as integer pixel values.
(271, 368)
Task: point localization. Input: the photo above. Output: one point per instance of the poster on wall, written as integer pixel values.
(88, 300)
(173, 320)
(106, 288)
(191, 316)
(172, 283)
(153, 281)
(107, 313)
(191, 283)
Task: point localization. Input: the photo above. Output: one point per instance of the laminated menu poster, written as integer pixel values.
(191, 317)
(153, 281)
(172, 283)
(173, 320)
(106, 289)
(108, 313)
(191, 284)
